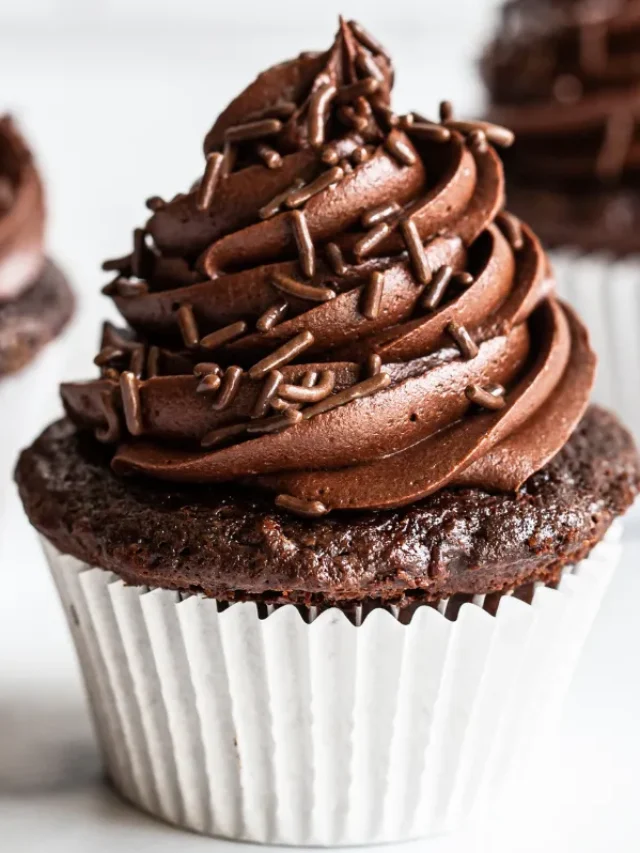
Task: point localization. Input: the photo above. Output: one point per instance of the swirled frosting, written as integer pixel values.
(21, 214)
(565, 75)
(340, 311)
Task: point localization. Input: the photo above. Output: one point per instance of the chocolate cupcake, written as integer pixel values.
(35, 300)
(565, 76)
(332, 524)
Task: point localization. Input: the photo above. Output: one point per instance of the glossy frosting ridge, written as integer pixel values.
(340, 311)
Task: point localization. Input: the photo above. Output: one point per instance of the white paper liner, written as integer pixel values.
(278, 731)
(605, 291)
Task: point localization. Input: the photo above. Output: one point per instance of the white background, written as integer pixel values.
(116, 97)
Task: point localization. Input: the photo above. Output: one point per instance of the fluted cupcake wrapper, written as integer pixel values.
(606, 293)
(281, 731)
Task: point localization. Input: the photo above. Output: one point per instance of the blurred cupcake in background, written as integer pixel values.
(565, 76)
(36, 301)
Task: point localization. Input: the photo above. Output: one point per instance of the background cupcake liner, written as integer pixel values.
(606, 293)
(324, 733)
(28, 399)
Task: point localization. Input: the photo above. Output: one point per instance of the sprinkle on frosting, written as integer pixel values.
(283, 355)
(467, 346)
(337, 379)
(222, 336)
(306, 250)
(489, 396)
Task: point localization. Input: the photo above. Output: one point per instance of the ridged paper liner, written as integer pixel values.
(275, 730)
(605, 291)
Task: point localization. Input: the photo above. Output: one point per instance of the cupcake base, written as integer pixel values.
(277, 731)
(36, 317)
(235, 545)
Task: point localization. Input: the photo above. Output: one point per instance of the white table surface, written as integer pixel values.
(117, 114)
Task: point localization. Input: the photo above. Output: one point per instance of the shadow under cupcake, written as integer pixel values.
(332, 525)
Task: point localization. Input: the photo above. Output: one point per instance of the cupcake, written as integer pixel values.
(332, 524)
(565, 76)
(35, 299)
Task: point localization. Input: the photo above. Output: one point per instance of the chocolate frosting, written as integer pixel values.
(565, 76)
(21, 214)
(340, 311)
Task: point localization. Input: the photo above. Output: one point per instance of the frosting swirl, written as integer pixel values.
(21, 214)
(339, 311)
(565, 75)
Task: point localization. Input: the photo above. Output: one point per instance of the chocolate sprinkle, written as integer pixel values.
(130, 391)
(310, 393)
(298, 506)
(269, 155)
(374, 364)
(217, 436)
(276, 423)
(355, 392)
(308, 292)
(446, 111)
(329, 155)
(272, 316)
(336, 259)
(464, 279)
(117, 264)
(212, 174)
(430, 131)
(437, 288)
(367, 39)
(496, 134)
(283, 355)
(366, 244)
(478, 141)
(467, 346)
(300, 196)
(368, 66)
(372, 296)
(396, 145)
(155, 203)
(130, 289)
(349, 117)
(304, 243)
(416, 251)
(153, 362)
(228, 388)
(511, 228)
(489, 396)
(230, 154)
(253, 130)
(188, 326)
(360, 155)
(108, 354)
(349, 93)
(318, 106)
(204, 368)
(224, 335)
(209, 384)
(136, 361)
(380, 213)
(274, 205)
(269, 389)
